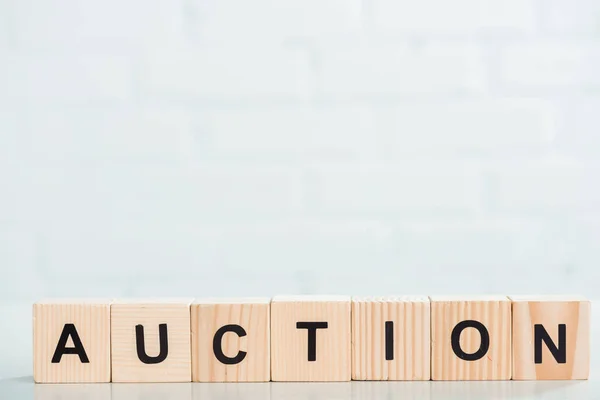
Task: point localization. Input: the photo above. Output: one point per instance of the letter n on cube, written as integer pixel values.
(551, 337)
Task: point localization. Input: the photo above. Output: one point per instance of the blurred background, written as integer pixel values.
(233, 147)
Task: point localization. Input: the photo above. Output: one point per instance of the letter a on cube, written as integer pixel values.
(310, 338)
(551, 337)
(71, 341)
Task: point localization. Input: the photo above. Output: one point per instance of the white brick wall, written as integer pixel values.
(284, 133)
(406, 188)
(453, 18)
(271, 21)
(389, 70)
(105, 134)
(76, 25)
(578, 17)
(62, 78)
(257, 147)
(5, 29)
(546, 186)
(222, 74)
(579, 127)
(551, 65)
(480, 127)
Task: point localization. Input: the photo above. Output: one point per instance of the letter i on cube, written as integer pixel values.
(391, 338)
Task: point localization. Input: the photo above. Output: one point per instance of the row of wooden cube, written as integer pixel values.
(312, 338)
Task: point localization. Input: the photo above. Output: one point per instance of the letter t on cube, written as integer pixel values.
(310, 338)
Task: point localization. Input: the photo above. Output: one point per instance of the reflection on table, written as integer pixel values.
(24, 389)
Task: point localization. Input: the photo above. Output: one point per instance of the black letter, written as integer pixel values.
(483, 347)
(218, 350)
(69, 330)
(389, 340)
(312, 336)
(540, 335)
(141, 347)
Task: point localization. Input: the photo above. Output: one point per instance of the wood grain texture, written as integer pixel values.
(289, 345)
(550, 311)
(253, 315)
(494, 312)
(126, 366)
(410, 316)
(91, 319)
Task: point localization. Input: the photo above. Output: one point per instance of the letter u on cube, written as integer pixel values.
(312, 338)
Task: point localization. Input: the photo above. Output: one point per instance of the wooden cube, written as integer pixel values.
(310, 338)
(231, 340)
(71, 341)
(391, 338)
(470, 338)
(151, 340)
(551, 337)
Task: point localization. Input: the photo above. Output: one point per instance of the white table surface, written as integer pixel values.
(16, 382)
